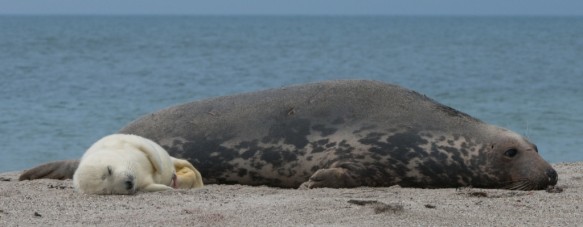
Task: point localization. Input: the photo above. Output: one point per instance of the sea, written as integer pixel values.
(66, 81)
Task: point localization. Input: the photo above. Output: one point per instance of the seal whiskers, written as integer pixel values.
(523, 184)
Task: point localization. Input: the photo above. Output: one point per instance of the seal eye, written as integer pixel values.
(511, 152)
(109, 170)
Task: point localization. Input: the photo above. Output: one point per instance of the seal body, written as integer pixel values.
(124, 164)
(341, 134)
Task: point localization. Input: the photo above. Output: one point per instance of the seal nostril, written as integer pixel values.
(553, 176)
(129, 185)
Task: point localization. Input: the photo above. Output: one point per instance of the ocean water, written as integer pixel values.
(66, 81)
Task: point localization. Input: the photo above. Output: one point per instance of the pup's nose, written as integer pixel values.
(129, 183)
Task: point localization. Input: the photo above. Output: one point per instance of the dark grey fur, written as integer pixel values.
(341, 134)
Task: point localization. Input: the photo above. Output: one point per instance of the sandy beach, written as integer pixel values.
(55, 203)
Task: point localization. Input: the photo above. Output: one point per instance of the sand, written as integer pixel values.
(55, 203)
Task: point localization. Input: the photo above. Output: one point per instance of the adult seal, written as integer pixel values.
(337, 134)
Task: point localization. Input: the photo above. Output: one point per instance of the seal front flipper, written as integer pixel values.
(59, 170)
(342, 175)
(156, 187)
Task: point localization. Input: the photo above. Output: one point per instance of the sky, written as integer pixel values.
(296, 7)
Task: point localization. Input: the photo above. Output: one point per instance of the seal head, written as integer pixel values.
(515, 162)
(106, 178)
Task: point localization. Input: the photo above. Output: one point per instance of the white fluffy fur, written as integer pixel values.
(124, 164)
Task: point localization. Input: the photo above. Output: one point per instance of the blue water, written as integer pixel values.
(66, 81)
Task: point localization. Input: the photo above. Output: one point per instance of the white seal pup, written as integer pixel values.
(124, 164)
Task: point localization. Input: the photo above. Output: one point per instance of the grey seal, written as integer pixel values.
(337, 134)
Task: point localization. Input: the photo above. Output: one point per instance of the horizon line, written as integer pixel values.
(290, 14)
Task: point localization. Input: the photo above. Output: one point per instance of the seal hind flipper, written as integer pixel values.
(187, 176)
(59, 170)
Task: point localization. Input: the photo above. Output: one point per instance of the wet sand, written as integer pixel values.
(55, 203)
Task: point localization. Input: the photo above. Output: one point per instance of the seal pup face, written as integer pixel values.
(122, 181)
(106, 178)
(517, 163)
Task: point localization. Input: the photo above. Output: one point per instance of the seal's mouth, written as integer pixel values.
(527, 184)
